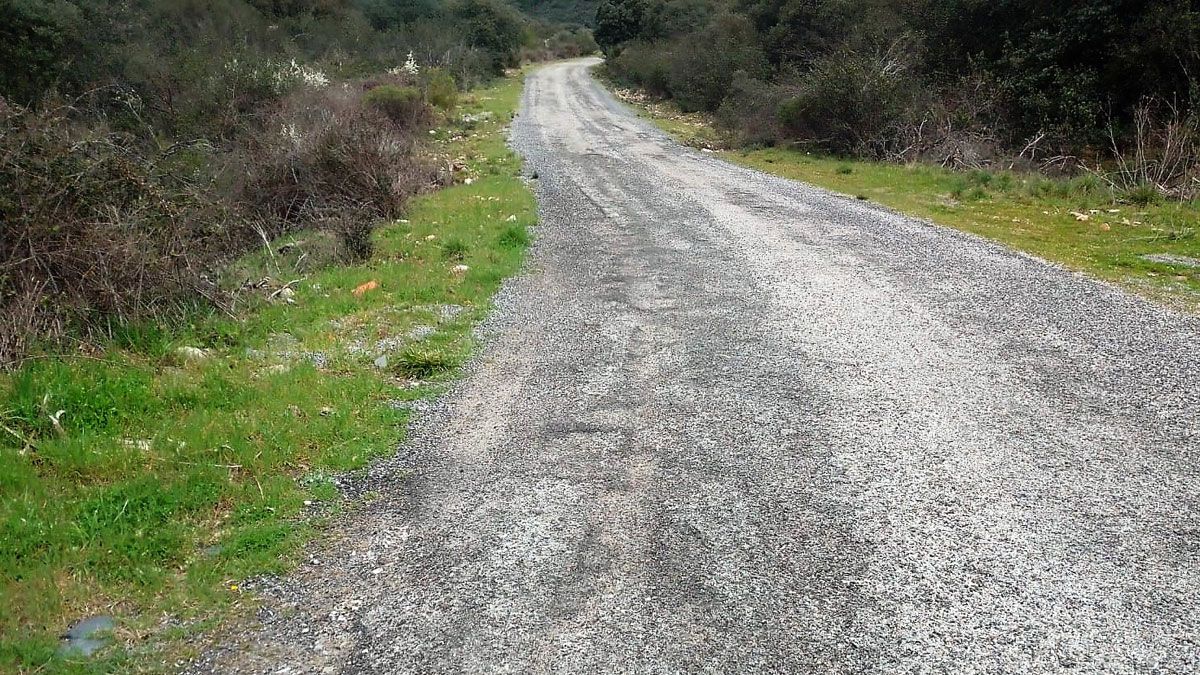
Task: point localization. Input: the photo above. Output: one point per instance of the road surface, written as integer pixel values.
(729, 422)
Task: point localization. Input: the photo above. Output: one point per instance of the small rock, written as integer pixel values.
(326, 411)
(85, 638)
(459, 269)
(382, 361)
(192, 354)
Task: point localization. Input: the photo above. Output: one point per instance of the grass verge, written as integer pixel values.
(1078, 223)
(147, 480)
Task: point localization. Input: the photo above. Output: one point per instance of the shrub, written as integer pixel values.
(849, 101)
(404, 106)
(702, 66)
(90, 232)
(748, 110)
(1161, 154)
(440, 89)
(1144, 194)
(331, 158)
(643, 65)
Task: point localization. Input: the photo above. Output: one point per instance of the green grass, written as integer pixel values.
(1079, 223)
(167, 480)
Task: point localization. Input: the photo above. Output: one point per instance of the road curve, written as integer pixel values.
(728, 421)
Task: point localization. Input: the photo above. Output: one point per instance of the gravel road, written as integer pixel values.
(728, 421)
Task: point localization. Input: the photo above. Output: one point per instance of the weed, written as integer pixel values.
(165, 481)
(979, 177)
(426, 362)
(1142, 194)
(1087, 185)
(455, 249)
(844, 170)
(514, 236)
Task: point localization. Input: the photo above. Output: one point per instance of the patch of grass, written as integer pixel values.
(167, 480)
(424, 363)
(455, 249)
(1027, 212)
(514, 236)
(1142, 195)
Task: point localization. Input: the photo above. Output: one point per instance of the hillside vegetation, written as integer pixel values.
(144, 145)
(1063, 87)
(571, 12)
(240, 241)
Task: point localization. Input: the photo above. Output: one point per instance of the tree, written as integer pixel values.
(618, 21)
(492, 26)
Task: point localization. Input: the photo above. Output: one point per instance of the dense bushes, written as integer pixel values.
(848, 101)
(958, 81)
(702, 68)
(97, 230)
(404, 106)
(144, 144)
(90, 229)
(339, 156)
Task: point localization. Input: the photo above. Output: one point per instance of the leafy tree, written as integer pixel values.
(493, 26)
(619, 21)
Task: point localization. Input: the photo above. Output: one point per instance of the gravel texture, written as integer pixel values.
(732, 422)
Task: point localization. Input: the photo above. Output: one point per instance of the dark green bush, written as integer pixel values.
(440, 88)
(849, 102)
(702, 67)
(404, 106)
(962, 81)
(643, 65)
(748, 110)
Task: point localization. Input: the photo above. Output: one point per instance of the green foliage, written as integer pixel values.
(702, 68)
(454, 249)
(1142, 195)
(970, 80)
(492, 26)
(426, 362)
(47, 43)
(168, 481)
(515, 236)
(570, 12)
(618, 22)
(404, 106)
(848, 100)
(440, 88)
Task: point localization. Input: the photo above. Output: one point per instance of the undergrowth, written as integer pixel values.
(148, 479)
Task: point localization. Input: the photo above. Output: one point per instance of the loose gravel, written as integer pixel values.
(732, 422)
